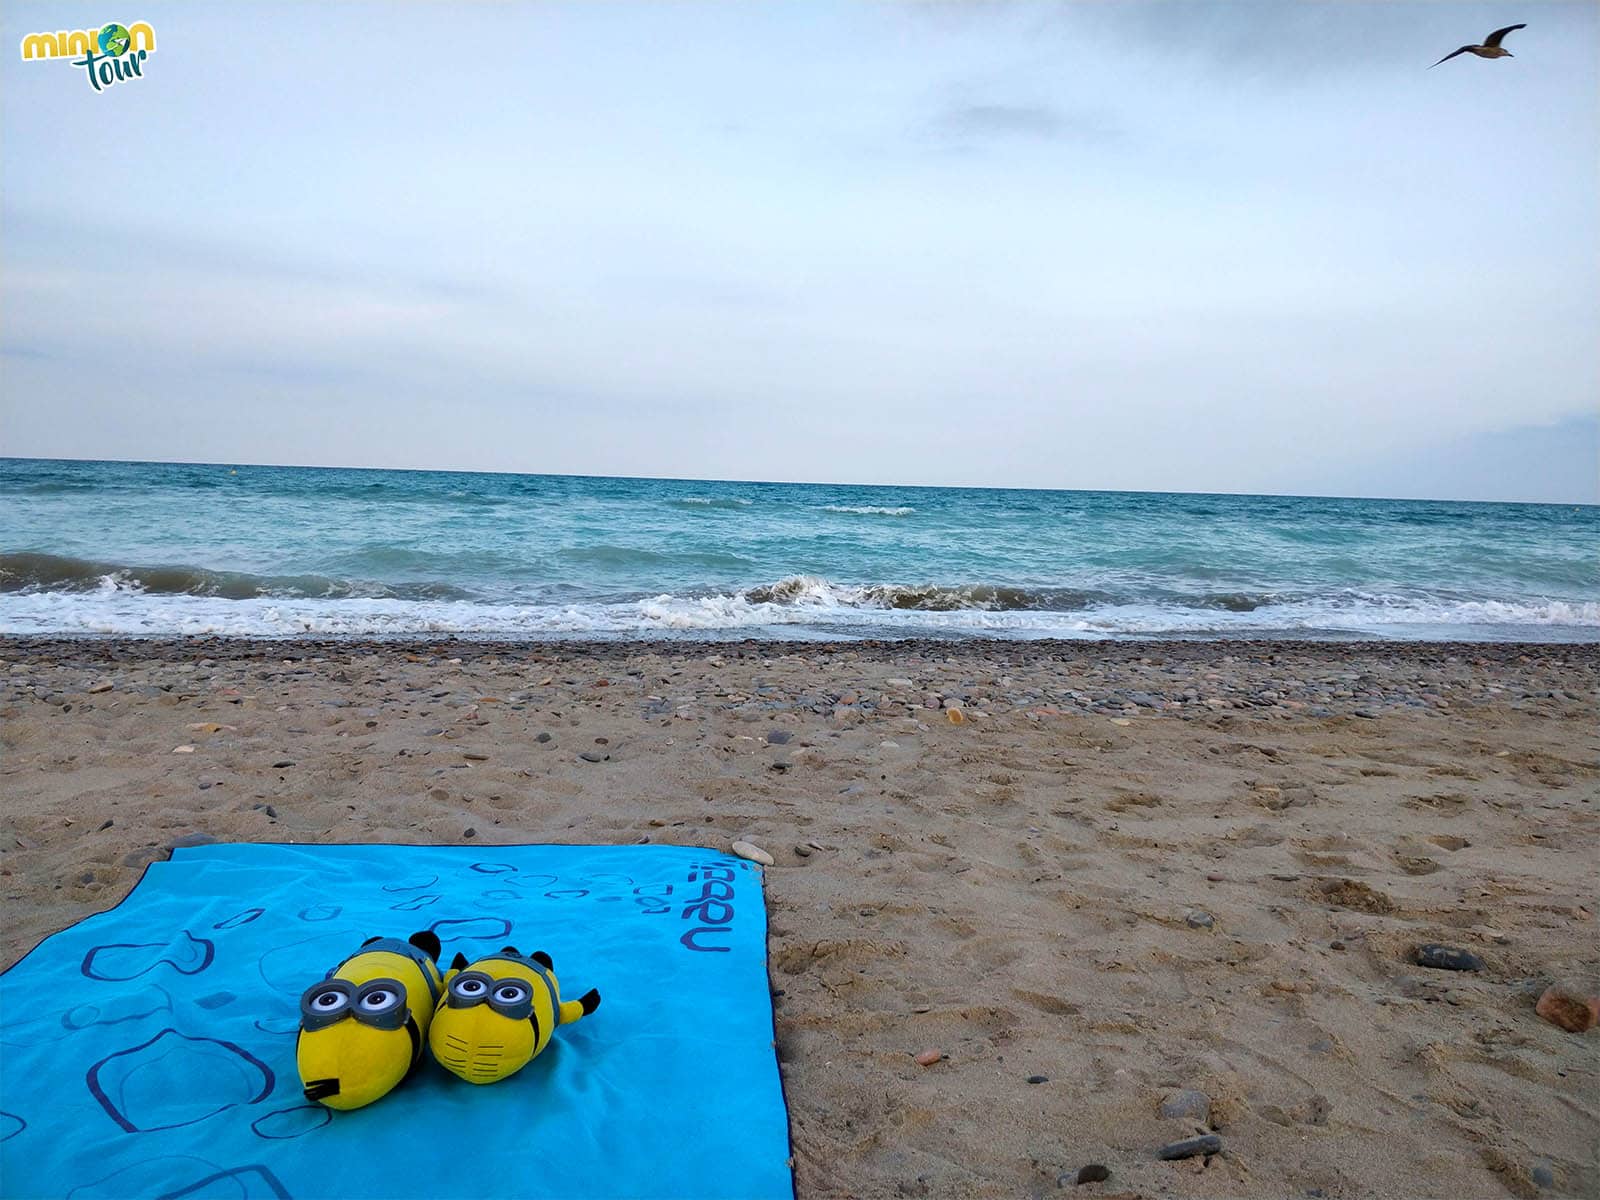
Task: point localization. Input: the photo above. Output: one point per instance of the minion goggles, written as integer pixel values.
(509, 997)
(380, 1003)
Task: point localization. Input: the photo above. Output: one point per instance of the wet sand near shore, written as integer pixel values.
(1098, 879)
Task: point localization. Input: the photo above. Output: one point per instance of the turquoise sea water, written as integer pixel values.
(156, 549)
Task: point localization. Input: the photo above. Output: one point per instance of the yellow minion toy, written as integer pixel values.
(499, 1013)
(362, 1027)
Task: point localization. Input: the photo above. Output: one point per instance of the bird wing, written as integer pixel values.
(1494, 38)
(1452, 54)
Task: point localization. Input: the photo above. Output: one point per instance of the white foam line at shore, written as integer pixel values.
(135, 614)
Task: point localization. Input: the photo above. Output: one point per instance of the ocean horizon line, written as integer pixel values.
(948, 487)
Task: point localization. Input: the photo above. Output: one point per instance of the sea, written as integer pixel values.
(162, 550)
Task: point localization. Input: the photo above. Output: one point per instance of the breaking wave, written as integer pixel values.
(55, 573)
(870, 510)
(810, 590)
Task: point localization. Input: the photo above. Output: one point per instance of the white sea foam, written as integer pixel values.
(797, 606)
(874, 510)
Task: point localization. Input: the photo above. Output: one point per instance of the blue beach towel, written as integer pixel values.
(149, 1051)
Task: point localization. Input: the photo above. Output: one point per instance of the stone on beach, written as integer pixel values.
(752, 852)
(1207, 1144)
(1447, 958)
(1571, 1006)
(928, 1057)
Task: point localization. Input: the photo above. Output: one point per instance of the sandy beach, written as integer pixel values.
(1093, 876)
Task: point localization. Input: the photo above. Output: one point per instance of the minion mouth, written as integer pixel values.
(321, 1089)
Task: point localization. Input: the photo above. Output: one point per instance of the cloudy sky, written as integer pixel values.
(1197, 246)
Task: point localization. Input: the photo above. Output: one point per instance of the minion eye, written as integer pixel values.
(510, 993)
(379, 1000)
(471, 987)
(329, 1001)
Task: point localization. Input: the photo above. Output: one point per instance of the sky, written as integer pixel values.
(1179, 247)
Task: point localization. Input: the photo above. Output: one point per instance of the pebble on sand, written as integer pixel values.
(928, 1057)
(955, 716)
(1093, 1173)
(1208, 1144)
(593, 756)
(1573, 1008)
(753, 852)
(1447, 958)
(183, 749)
(1199, 919)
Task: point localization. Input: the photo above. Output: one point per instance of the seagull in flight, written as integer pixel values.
(1491, 47)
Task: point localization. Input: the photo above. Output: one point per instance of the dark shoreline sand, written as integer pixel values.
(1129, 868)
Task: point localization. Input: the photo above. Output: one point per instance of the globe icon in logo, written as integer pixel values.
(114, 39)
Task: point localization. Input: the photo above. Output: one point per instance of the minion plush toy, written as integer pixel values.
(499, 1013)
(362, 1027)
